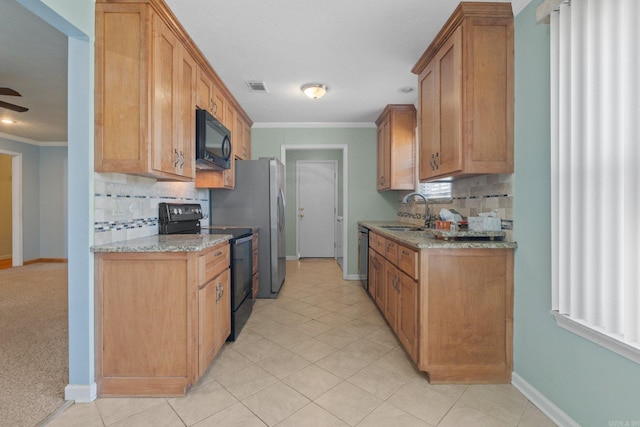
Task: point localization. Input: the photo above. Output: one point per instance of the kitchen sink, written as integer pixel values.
(400, 228)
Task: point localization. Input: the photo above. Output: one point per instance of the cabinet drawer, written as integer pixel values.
(213, 262)
(408, 261)
(391, 251)
(372, 240)
(380, 244)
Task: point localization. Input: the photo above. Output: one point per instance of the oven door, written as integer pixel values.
(241, 270)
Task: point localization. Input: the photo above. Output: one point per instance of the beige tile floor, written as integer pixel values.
(319, 355)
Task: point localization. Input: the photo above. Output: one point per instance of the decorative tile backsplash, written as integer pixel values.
(470, 196)
(126, 206)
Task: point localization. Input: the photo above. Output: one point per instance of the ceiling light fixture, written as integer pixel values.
(405, 89)
(314, 90)
(8, 121)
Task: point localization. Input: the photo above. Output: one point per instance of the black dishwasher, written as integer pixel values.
(363, 255)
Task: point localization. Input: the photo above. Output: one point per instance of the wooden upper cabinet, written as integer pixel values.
(210, 97)
(144, 81)
(396, 148)
(150, 77)
(465, 117)
(204, 98)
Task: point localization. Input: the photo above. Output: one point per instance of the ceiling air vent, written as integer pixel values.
(257, 86)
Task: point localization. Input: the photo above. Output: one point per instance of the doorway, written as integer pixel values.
(342, 199)
(12, 211)
(317, 193)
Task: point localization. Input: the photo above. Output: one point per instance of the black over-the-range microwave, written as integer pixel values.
(213, 143)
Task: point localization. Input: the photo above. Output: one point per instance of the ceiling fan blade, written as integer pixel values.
(8, 91)
(13, 107)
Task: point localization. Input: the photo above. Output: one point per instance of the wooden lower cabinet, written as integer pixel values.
(214, 300)
(407, 322)
(160, 318)
(377, 266)
(452, 309)
(466, 319)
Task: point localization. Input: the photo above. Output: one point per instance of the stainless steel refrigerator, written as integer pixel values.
(257, 200)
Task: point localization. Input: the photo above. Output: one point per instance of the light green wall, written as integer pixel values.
(592, 385)
(364, 201)
(292, 157)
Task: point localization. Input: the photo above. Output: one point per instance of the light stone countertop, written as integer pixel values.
(425, 239)
(165, 243)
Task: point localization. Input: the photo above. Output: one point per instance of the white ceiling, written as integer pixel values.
(363, 50)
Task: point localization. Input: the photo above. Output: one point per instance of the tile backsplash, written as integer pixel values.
(470, 196)
(126, 206)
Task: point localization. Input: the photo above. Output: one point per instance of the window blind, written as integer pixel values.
(595, 163)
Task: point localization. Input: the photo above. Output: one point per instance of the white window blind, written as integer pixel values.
(436, 190)
(595, 163)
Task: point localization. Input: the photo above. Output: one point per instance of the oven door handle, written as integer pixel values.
(240, 240)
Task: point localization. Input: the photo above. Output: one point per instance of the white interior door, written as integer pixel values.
(316, 207)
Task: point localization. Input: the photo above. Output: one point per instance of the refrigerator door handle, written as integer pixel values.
(281, 209)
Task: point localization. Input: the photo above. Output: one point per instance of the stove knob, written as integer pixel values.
(180, 211)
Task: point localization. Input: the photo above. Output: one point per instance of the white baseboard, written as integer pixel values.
(292, 258)
(353, 277)
(81, 393)
(547, 407)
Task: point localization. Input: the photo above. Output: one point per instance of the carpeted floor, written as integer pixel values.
(33, 342)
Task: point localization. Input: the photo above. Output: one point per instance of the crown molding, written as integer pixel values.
(313, 125)
(32, 141)
(519, 5)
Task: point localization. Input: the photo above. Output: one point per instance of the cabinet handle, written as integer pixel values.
(437, 161)
(217, 292)
(181, 159)
(389, 245)
(405, 252)
(177, 158)
(217, 254)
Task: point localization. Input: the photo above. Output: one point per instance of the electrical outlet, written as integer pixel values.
(119, 207)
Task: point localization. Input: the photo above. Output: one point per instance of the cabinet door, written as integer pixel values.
(223, 309)
(185, 117)
(391, 278)
(384, 161)
(219, 104)
(204, 99)
(450, 88)
(407, 327)
(371, 283)
(429, 121)
(379, 273)
(246, 141)
(207, 296)
(164, 69)
(441, 111)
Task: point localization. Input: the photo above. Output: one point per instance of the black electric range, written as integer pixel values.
(184, 218)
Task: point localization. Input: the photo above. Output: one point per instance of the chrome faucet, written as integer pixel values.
(427, 218)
